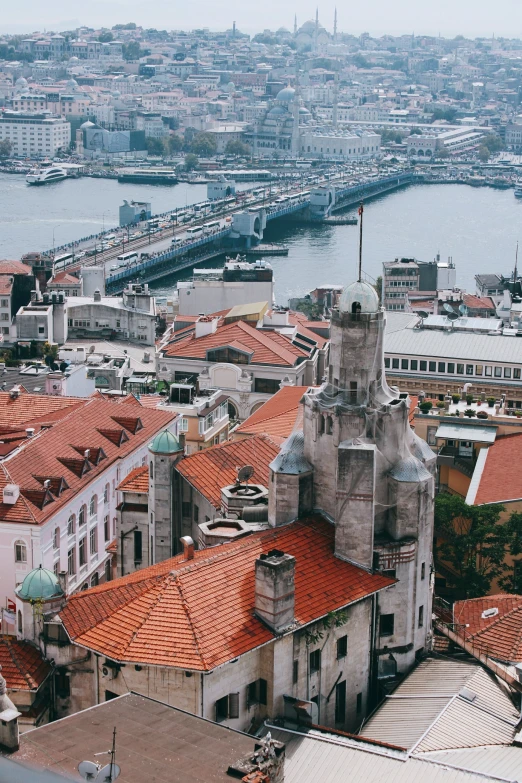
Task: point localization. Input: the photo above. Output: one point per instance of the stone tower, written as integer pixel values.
(372, 476)
(164, 451)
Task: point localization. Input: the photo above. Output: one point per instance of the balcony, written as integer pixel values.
(449, 455)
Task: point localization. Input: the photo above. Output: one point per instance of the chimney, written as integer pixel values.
(10, 494)
(97, 295)
(205, 325)
(188, 547)
(265, 765)
(87, 453)
(63, 579)
(9, 732)
(275, 590)
(29, 431)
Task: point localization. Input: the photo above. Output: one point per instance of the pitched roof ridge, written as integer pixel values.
(23, 499)
(499, 620)
(157, 586)
(185, 605)
(27, 677)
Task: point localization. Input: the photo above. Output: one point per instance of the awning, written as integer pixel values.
(467, 432)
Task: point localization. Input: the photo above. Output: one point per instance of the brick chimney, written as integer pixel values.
(275, 590)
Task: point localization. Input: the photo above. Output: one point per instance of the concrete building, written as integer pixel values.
(351, 145)
(405, 277)
(239, 282)
(35, 135)
(225, 133)
(134, 212)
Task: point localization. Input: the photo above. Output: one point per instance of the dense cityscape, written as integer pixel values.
(261, 510)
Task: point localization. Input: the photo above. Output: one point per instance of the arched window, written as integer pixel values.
(71, 525)
(107, 493)
(151, 470)
(321, 425)
(356, 311)
(20, 552)
(329, 425)
(93, 505)
(82, 516)
(56, 538)
(20, 624)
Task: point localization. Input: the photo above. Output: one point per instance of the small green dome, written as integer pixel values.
(40, 584)
(165, 443)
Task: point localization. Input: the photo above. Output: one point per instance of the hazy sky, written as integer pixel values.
(447, 17)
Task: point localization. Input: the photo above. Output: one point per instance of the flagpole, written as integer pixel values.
(361, 210)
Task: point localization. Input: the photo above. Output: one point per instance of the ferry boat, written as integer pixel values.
(45, 175)
(518, 189)
(149, 176)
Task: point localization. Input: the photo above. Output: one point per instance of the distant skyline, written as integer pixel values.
(447, 17)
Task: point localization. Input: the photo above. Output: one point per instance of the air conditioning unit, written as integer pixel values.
(109, 673)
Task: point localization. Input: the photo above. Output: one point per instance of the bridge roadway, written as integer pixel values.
(166, 258)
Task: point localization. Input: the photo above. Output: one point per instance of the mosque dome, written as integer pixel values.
(276, 111)
(71, 84)
(361, 292)
(87, 124)
(309, 27)
(165, 443)
(286, 95)
(231, 87)
(283, 30)
(40, 584)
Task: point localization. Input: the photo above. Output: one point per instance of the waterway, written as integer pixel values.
(477, 227)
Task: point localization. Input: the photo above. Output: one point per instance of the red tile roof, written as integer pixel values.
(199, 614)
(30, 410)
(22, 664)
(278, 416)
(478, 302)
(211, 469)
(6, 284)
(500, 635)
(63, 278)
(501, 477)
(14, 268)
(136, 481)
(58, 452)
(267, 347)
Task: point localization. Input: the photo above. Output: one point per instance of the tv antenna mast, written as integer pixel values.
(360, 212)
(92, 771)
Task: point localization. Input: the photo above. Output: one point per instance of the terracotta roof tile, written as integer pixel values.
(54, 453)
(501, 477)
(478, 302)
(267, 347)
(22, 664)
(14, 268)
(32, 409)
(136, 481)
(278, 416)
(500, 634)
(199, 614)
(211, 469)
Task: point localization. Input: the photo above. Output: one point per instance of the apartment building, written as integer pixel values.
(34, 135)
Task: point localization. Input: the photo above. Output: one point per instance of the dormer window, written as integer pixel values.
(229, 354)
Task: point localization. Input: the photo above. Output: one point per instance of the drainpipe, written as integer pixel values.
(96, 680)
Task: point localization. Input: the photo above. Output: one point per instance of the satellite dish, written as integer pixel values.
(422, 314)
(108, 773)
(453, 316)
(244, 473)
(448, 308)
(88, 770)
(463, 309)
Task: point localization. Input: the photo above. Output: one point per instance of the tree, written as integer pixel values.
(483, 153)
(492, 142)
(131, 51)
(442, 154)
(175, 144)
(472, 542)
(191, 162)
(237, 148)
(5, 148)
(155, 146)
(204, 144)
(105, 37)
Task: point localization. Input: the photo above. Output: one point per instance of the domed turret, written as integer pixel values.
(72, 84)
(40, 584)
(165, 443)
(286, 95)
(360, 294)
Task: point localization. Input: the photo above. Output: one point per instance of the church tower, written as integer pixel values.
(372, 476)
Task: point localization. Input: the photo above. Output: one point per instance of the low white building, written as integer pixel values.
(213, 290)
(340, 144)
(34, 135)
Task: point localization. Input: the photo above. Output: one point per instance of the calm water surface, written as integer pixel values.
(478, 227)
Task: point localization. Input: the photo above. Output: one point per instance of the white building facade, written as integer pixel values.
(34, 135)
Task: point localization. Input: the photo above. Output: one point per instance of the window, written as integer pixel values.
(106, 493)
(151, 469)
(295, 672)
(257, 693)
(498, 372)
(93, 505)
(94, 579)
(229, 355)
(340, 702)
(359, 703)
(442, 367)
(386, 624)
(507, 372)
(387, 363)
(421, 616)
(390, 572)
(227, 707)
(138, 546)
(71, 562)
(342, 647)
(404, 364)
(20, 622)
(93, 541)
(488, 371)
(315, 661)
(469, 369)
(516, 373)
(423, 570)
(478, 369)
(423, 366)
(266, 385)
(432, 436)
(82, 550)
(395, 364)
(451, 367)
(82, 516)
(414, 364)
(56, 538)
(432, 366)
(20, 552)
(184, 425)
(41, 330)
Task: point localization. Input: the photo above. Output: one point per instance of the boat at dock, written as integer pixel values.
(149, 177)
(340, 220)
(45, 175)
(267, 250)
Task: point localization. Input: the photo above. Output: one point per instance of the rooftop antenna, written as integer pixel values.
(360, 213)
(245, 473)
(92, 771)
(516, 264)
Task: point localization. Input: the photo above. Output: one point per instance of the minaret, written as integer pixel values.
(335, 26)
(316, 30)
(296, 136)
(295, 24)
(335, 100)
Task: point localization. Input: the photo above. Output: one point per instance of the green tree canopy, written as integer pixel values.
(5, 148)
(105, 37)
(131, 51)
(191, 162)
(237, 148)
(155, 146)
(203, 144)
